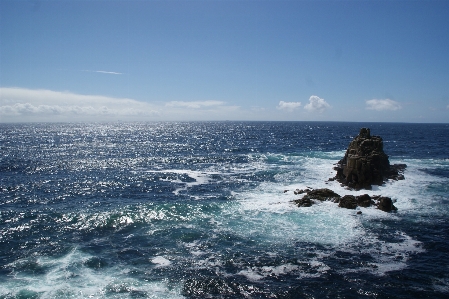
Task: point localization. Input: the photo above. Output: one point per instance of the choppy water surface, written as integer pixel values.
(198, 210)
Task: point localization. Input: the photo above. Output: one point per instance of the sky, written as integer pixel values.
(362, 61)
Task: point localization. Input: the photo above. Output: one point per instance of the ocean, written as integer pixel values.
(204, 210)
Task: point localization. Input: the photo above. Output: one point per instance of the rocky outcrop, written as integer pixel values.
(303, 202)
(322, 195)
(385, 204)
(365, 163)
(348, 201)
(364, 200)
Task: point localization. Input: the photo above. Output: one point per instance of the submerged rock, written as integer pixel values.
(365, 163)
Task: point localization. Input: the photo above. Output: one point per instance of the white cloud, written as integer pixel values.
(194, 104)
(317, 104)
(381, 105)
(38, 105)
(290, 106)
(19, 104)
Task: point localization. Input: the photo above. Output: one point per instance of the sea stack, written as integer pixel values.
(365, 163)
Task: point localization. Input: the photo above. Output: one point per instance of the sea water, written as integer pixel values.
(204, 210)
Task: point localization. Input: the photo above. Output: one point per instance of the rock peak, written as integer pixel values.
(365, 133)
(365, 163)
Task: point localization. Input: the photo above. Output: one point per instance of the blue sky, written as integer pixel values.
(224, 60)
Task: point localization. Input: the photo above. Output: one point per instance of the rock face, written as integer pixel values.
(366, 164)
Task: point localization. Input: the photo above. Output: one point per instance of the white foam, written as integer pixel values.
(251, 274)
(200, 178)
(160, 261)
(266, 214)
(68, 276)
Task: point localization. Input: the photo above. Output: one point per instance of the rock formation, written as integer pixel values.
(385, 204)
(322, 195)
(366, 164)
(318, 194)
(348, 201)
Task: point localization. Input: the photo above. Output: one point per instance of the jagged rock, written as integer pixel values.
(365, 163)
(322, 195)
(386, 204)
(348, 202)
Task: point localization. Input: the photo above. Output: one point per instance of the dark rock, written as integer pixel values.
(386, 204)
(303, 202)
(364, 200)
(396, 172)
(348, 202)
(365, 163)
(359, 212)
(297, 191)
(322, 195)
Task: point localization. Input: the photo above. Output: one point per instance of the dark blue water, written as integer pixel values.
(198, 210)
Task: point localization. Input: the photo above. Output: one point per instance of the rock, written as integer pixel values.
(396, 172)
(365, 163)
(297, 191)
(364, 200)
(348, 202)
(303, 202)
(322, 195)
(386, 204)
(359, 212)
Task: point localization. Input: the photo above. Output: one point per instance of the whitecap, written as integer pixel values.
(160, 261)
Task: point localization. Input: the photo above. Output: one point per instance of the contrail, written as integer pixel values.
(103, 72)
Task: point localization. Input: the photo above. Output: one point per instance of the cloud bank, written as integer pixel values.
(40, 105)
(317, 104)
(290, 106)
(382, 105)
(19, 104)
